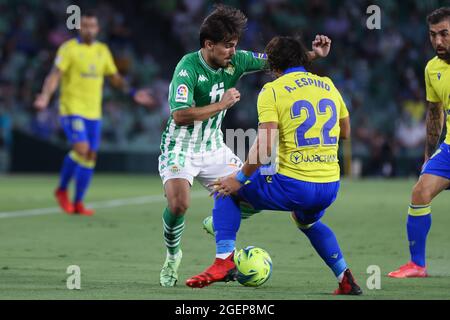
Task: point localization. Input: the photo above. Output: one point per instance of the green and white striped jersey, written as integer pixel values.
(194, 85)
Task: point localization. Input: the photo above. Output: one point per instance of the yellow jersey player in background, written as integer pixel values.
(435, 175)
(305, 115)
(81, 65)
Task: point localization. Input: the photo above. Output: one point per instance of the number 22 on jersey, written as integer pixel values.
(312, 116)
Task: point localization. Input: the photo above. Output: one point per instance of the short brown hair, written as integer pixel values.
(286, 52)
(438, 15)
(223, 24)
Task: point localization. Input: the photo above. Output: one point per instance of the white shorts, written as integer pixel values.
(206, 167)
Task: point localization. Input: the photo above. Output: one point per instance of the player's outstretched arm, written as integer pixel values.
(344, 125)
(320, 47)
(118, 82)
(435, 124)
(187, 116)
(142, 96)
(50, 85)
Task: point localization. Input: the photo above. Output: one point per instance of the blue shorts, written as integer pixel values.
(308, 200)
(79, 129)
(439, 163)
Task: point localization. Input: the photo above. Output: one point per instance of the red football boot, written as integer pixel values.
(80, 209)
(63, 200)
(409, 270)
(221, 270)
(348, 285)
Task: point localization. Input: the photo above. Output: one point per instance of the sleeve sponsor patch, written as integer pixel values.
(182, 93)
(259, 55)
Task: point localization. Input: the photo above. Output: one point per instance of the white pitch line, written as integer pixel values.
(96, 205)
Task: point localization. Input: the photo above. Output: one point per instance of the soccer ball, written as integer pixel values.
(254, 266)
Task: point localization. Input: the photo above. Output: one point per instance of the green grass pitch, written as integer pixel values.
(120, 249)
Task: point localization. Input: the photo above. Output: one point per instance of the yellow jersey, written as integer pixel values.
(307, 109)
(437, 85)
(83, 68)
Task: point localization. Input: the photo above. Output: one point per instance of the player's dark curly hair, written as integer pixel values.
(439, 15)
(223, 24)
(286, 52)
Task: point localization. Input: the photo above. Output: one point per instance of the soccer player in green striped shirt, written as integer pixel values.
(201, 92)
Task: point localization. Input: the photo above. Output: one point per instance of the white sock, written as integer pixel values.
(223, 256)
(173, 256)
(341, 276)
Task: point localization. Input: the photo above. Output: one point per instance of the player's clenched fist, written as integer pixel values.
(41, 102)
(230, 97)
(321, 45)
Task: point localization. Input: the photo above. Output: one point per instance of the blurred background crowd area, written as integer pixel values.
(379, 72)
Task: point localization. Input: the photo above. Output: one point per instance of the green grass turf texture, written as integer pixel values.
(120, 250)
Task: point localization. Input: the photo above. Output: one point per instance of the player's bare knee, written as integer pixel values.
(82, 150)
(178, 206)
(92, 156)
(82, 154)
(420, 195)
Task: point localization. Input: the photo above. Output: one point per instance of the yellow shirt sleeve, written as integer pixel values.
(267, 111)
(110, 66)
(62, 60)
(431, 94)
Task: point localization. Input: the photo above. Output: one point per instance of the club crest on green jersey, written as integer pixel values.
(230, 70)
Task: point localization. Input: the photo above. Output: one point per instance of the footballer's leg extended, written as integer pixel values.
(419, 223)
